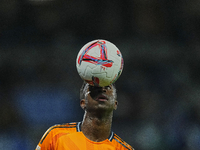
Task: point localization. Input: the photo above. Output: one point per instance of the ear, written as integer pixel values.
(82, 104)
(115, 106)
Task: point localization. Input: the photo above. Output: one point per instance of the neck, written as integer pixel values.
(96, 128)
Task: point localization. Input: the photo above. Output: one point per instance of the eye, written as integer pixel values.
(108, 87)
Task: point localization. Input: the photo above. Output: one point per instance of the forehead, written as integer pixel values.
(89, 87)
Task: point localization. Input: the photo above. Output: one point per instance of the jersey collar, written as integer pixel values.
(78, 128)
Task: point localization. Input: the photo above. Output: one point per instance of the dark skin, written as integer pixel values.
(98, 104)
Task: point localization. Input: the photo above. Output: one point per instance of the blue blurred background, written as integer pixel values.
(158, 91)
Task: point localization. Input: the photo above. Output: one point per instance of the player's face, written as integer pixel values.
(103, 98)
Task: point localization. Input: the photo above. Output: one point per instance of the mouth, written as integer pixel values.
(102, 98)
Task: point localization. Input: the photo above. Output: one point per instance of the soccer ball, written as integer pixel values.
(99, 63)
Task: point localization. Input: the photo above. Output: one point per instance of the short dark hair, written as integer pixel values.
(82, 94)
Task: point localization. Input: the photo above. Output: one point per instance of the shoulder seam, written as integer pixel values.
(122, 142)
(66, 125)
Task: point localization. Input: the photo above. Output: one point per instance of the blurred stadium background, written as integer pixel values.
(158, 91)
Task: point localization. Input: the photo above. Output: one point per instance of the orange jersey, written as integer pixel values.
(70, 137)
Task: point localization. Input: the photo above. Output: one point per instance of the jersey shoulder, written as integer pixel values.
(121, 144)
(57, 129)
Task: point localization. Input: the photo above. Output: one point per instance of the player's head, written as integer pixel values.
(101, 97)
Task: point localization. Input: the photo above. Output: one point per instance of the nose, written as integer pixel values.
(101, 89)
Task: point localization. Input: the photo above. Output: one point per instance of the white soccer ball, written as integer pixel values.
(99, 63)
